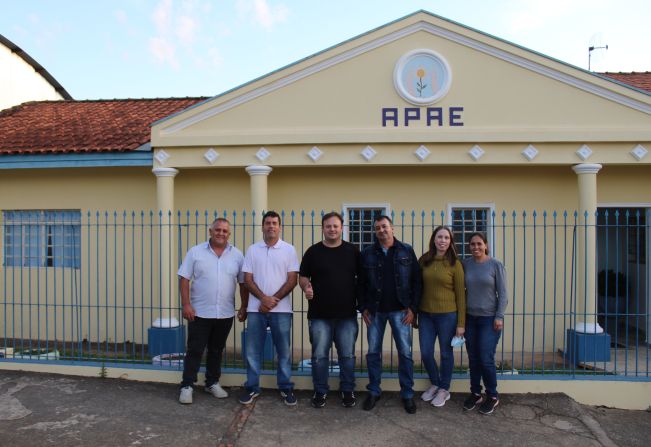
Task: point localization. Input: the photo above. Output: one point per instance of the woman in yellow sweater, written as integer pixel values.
(442, 312)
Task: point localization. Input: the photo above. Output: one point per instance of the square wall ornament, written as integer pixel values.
(422, 153)
(162, 157)
(530, 152)
(262, 154)
(476, 152)
(211, 155)
(368, 153)
(639, 152)
(584, 152)
(315, 153)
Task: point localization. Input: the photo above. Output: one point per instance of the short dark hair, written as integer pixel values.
(379, 217)
(220, 219)
(272, 214)
(330, 215)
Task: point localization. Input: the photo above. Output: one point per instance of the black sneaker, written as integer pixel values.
(472, 401)
(319, 400)
(248, 397)
(288, 397)
(370, 401)
(348, 399)
(489, 405)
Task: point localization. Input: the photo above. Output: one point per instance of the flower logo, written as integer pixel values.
(420, 85)
(422, 77)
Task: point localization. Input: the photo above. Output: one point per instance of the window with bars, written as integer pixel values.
(42, 238)
(466, 220)
(358, 223)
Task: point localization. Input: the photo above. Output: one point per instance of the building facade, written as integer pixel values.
(424, 119)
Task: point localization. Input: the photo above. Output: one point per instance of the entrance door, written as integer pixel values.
(623, 274)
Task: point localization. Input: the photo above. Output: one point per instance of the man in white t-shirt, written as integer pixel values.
(270, 273)
(208, 277)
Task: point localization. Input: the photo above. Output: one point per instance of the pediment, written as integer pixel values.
(498, 92)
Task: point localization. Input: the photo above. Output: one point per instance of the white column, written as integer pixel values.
(169, 294)
(259, 175)
(586, 259)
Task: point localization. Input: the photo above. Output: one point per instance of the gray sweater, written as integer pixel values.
(486, 294)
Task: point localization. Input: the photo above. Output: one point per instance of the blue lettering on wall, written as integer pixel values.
(433, 116)
(412, 114)
(389, 114)
(455, 116)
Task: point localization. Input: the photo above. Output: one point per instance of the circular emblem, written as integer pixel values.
(422, 77)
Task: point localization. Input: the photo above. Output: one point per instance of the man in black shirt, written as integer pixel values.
(328, 277)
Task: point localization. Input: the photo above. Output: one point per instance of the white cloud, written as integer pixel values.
(262, 13)
(523, 15)
(163, 51)
(162, 16)
(121, 16)
(185, 28)
(215, 57)
(175, 24)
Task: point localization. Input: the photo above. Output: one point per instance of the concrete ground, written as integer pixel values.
(44, 409)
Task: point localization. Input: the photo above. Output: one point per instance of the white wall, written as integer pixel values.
(20, 83)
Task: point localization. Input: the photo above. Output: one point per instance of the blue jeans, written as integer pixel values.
(443, 326)
(402, 336)
(481, 342)
(281, 328)
(344, 333)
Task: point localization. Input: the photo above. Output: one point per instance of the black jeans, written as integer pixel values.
(210, 333)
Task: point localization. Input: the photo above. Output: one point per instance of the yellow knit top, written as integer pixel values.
(444, 289)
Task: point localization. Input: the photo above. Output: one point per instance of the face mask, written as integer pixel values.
(457, 341)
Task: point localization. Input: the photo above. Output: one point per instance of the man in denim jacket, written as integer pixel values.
(391, 285)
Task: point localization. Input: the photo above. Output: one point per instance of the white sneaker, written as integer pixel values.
(429, 394)
(186, 395)
(441, 398)
(216, 391)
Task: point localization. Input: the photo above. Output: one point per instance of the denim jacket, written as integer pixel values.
(408, 279)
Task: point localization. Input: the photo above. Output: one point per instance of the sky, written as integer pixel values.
(104, 49)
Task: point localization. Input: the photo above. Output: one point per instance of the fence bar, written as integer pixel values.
(88, 288)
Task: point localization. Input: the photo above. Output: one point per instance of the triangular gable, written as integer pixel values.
(507, 93)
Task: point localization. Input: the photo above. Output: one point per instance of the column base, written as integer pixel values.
(588, 328)
(166, 340)
(586, 348)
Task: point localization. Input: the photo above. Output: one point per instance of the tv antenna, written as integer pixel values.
(591, 49)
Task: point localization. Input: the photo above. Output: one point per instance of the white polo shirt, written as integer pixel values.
(213, 279)
(270, 266)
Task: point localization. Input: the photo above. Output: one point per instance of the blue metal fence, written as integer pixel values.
(86, 286)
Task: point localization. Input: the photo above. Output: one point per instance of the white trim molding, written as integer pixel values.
(258, 170)
(584, 152)
(639, 152)
(587, 168)
(165, 172)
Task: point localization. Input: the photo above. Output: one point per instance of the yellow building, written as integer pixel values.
(422, 116)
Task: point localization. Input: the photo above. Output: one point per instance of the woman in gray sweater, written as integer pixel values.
(486, 300)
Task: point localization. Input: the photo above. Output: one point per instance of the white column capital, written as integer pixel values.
(165, 172)
(587, 168)
(258, 170)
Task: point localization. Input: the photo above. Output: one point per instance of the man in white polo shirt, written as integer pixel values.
(270, 272)
(208, 277)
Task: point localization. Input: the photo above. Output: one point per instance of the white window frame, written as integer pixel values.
(361, 205)
(487, 205)
(43, 245)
